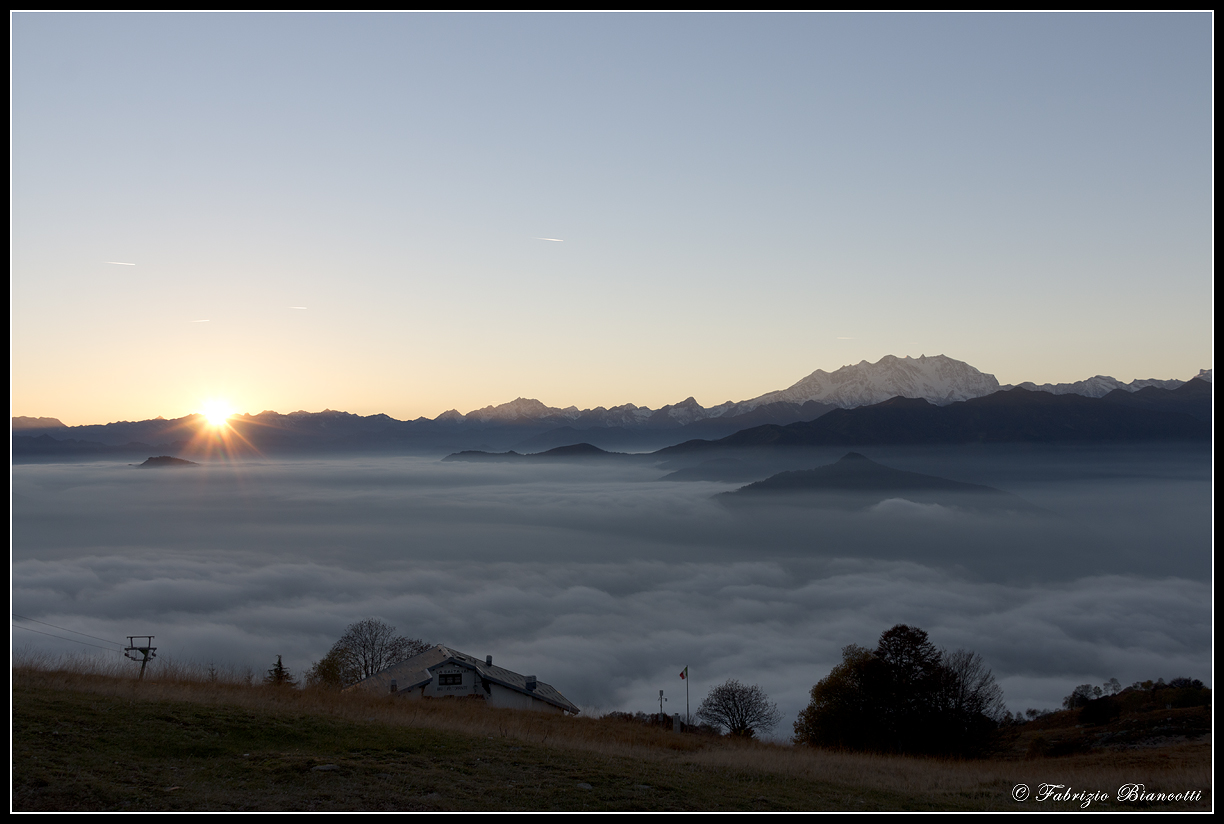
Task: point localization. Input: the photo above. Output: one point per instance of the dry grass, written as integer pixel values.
(690, 763)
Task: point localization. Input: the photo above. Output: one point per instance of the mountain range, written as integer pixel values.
(1015, 415)
(530, 426)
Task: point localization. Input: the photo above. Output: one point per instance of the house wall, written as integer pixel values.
(455, 681)
(511, 699)
(468, 682)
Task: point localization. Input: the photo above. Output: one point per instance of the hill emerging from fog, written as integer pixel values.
(573, 452)
(855, 481)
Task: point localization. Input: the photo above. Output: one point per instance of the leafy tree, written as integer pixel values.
(842, 712)
(903, 696)
(1080, 696)
(366, 647)
(910, 681)
(739, 709)
(279, 676)
(333, 671)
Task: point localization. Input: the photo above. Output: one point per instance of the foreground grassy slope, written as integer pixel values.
(92, 742)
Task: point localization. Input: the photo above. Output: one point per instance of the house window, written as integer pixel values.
(451, 680)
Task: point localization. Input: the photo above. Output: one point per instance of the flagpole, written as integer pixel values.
(688, 718)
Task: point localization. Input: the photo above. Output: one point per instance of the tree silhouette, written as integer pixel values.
(843, 710)
(912, 678)
(739, 709)
(279, 676)
(333, 671)
(903, 696)
(367, 647)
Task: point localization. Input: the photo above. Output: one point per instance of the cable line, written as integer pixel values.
(62, 638)
(65, 629)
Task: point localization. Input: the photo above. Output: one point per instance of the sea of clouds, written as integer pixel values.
(606, 582)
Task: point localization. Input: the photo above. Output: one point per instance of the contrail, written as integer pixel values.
(297, 307)
(553, 239)
(200, 321)
(120, 263)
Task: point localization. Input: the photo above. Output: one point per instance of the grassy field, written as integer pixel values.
(91, 741)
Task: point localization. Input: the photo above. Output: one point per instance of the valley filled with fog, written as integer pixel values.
(606, 581)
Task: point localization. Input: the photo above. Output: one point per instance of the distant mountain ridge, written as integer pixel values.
(1099, 386)
(23, 422)
(526, 424)
(938, 379)
(1015, 415)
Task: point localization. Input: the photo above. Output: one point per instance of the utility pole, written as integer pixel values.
(140, 648)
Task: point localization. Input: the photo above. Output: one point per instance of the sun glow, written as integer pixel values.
(217, 412)
(216, 437)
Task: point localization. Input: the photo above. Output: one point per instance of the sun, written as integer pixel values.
(217, 412)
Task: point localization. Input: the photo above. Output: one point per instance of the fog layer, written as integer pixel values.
(606, 582)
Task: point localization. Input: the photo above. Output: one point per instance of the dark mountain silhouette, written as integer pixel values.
(577, 451)
(725, 469)
(1017, 415)
(44, 447)
(1192, 398)
(856, 481)
(1012, 416)
(167, 461)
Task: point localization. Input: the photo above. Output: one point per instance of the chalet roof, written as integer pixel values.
(416, 671)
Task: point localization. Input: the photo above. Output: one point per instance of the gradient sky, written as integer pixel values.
(742, 199)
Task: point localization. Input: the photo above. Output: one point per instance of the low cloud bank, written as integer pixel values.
(607, 583)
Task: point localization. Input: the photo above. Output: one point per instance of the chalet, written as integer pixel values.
(446, 673)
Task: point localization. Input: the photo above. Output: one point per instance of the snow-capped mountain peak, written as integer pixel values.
(938, 378)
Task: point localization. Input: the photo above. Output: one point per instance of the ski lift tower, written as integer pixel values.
(140, 648)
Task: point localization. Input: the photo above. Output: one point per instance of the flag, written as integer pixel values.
(684, 674)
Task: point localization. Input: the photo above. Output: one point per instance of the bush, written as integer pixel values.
(1100, 711)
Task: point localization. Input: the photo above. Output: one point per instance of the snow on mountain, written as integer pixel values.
(520, 409)
(687, 411)
(1099, 386)
(939, 379)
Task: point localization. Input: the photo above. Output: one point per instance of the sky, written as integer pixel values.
(408, 213)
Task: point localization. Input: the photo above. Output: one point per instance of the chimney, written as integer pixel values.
(488, 660)
(531, 683)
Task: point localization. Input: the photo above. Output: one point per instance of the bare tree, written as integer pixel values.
(739, 709)
(972, 689)
(366, 647)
